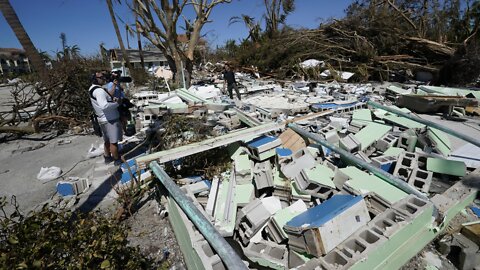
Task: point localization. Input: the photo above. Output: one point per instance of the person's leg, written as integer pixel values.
(236, 91)
(229, 88)
(106, 149)
(114, 151)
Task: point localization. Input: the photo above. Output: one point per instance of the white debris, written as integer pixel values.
(49, 173)
(311, 63)
(95, 151)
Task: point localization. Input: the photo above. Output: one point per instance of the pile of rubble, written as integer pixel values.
(319, 179)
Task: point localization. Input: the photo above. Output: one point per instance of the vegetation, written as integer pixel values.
(50, 239)
(374, 39)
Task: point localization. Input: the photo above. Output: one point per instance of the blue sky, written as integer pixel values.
(87, 23)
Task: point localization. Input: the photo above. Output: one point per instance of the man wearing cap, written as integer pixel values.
(106, 110)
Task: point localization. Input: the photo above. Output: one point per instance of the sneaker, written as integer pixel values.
(117, 162)
(108, 159)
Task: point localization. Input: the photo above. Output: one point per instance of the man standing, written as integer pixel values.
(106, 110)
(230, 81)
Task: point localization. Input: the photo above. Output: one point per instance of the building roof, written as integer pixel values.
(134, 55)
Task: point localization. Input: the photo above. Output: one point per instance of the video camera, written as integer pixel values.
(117, 75)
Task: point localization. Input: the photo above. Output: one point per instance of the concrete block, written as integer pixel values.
(387, 141)
(281, 217)
(302, 159)
(407, 140)
(263, 144)
(254, 216)
(199, 187)
(262, 175)
(405, 164)
(209, 258)
(296, 259)
(355, 127)
(329, 133)
(350, 143)
(72, 187)
(268, 254)
(411, 206)
(388, 222)
(313, 188)
(459, 246)
(384, 162)
(321, 228)
(315, 264)
(420, 179)
(361, 155)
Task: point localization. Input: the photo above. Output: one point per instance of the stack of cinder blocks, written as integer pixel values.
(268, 254)
(372, 236)
(254, 216)
(411, 168)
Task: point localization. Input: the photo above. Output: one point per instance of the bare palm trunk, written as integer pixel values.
(117, 32)
(22, 36)
(139, 41)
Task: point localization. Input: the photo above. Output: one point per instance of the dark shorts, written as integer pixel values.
(112, 131)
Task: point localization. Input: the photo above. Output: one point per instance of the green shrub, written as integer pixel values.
(49, 239)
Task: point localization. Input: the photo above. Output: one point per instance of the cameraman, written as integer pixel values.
(106, 110)
(115, 89)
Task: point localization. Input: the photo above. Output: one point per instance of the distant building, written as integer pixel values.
(151, 58)
(13, 61)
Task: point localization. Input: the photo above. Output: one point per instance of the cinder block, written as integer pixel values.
(355, 127)
(254, 215)
(209, 258)
(268, 254)
(72, 187)
(316, 264)
(407, 140)
(263, 144)
(459, 246)
(411, 206)
(388, 140)
(406, 163)
(420, 179)
(361, 155)
(350, 143)
(301, 160)
(262, 175)
(384, 162)
(321, 228)
(330, 134)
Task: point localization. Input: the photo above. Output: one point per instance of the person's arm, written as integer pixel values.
(102, 101)
(111, 87)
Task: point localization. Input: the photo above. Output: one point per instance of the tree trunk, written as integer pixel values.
(139, 41)
(119, 36)
(22, 36)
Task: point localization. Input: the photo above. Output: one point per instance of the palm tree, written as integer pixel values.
(74, 51)
(63, 38)
(139, 41)
(22, 36)
(254, 30)
(117, 32)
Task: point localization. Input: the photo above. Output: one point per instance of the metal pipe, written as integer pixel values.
(426, 122)
(228, 255)
(395, 181)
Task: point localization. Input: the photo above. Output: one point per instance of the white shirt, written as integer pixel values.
(105, 108)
